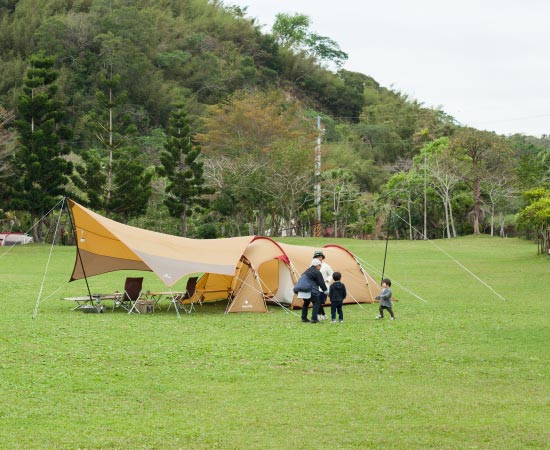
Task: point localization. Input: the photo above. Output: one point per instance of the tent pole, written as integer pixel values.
(78, 251)
(386, 250)
(35, 313)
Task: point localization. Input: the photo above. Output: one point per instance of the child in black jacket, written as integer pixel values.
(337, 293)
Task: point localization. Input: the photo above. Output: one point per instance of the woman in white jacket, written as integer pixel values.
(327, 272)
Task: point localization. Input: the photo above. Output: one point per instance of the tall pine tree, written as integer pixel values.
(41, 172)
(181, 165)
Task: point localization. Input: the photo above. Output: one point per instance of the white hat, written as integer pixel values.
(316, 262)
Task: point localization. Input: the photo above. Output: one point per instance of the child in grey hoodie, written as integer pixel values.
(385, 299)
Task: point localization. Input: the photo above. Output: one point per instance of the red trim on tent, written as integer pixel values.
(340, 247)
(283, 257)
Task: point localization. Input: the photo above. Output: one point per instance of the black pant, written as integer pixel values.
(323, 299)
(305, 307)
(382, 308)
(336, 306)
(316, 300)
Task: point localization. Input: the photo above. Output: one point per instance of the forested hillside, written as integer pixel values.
(184, 117)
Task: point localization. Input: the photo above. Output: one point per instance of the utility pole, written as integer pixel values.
(425, 200)
(317, 226)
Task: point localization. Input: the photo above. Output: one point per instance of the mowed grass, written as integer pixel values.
(465, 365)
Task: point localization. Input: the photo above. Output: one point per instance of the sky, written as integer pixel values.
(484, 62)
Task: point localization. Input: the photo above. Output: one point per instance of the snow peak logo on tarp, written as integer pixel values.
(246, 304)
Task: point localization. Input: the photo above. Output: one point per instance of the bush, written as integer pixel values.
(207, 231)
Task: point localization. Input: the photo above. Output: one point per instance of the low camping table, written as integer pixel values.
(94, 300)
(157, 296)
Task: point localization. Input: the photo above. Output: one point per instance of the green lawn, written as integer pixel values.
(461, 367)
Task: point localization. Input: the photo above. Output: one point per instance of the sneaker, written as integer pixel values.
(379, 317)
(340, 321)
(333, 321)
(313, 321)
(393, 318)
(305, 320)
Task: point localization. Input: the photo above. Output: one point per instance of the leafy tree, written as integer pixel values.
(249, 124)
(181, 165)
(40, 167)
(536, 217)
(479, 147)
(531, 163)
(292, 32)
(444, 175)
(388, 125)
(251, 132)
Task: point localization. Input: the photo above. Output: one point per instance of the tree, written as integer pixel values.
(443, 174)
(342, 194)
(289, 182)
(91, 179)
(247, 135)
(403, 191)
(250, 124)
(292, 32)
(181, 165)
(40, 167)
(389, 124)
(499, 187)
(6, 142)
(110, 101)
(500, 192)
(530, 161)
(478, 146)
(131, 184)
(536, 217)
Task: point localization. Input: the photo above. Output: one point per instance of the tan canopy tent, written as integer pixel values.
(105, 245)
(247, 271)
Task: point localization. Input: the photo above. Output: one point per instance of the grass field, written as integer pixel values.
(464, 366)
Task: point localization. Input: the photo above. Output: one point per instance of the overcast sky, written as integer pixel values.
(484, 62)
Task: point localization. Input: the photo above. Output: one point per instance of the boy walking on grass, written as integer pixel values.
(337, 293)
(385, 299)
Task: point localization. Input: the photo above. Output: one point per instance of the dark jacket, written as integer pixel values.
(316, 279)
(337, 292)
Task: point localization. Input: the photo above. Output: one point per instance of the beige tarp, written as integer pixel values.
(105, 246)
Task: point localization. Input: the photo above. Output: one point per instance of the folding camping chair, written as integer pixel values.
(133, 288)
(189, 294)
